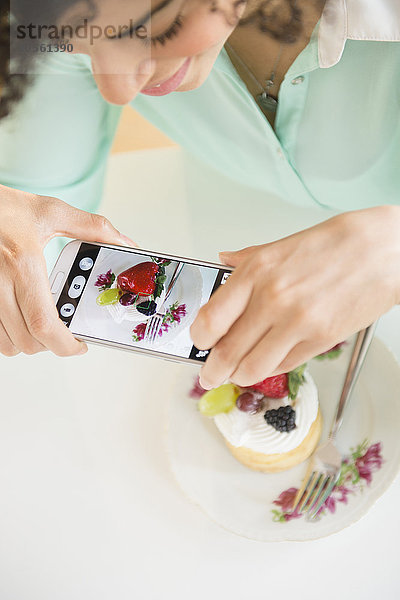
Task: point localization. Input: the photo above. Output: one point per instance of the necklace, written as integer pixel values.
(264, 98)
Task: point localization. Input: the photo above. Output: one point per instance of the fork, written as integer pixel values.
(154, 323)
(325, 463)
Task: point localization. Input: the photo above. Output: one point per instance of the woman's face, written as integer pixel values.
(152, 46)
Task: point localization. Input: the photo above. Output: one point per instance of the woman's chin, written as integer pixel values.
(200, 68)
(192, 83)
(188, 87)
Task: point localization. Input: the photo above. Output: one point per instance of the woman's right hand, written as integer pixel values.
(29, 321)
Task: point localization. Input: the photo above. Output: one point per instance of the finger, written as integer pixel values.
(65, 220)
(217, 316)
(235, 258)
(301, 353)
(7, 348)
(264, 358)
(32, 290)
(15, 326)
(244, 334)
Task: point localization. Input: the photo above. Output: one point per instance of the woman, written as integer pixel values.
(331, 139)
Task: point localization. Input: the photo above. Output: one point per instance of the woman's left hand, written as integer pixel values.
(295, 298)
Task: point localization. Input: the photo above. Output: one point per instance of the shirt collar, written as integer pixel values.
(371, 20)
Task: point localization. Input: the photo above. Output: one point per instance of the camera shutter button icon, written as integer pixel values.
(77, 285)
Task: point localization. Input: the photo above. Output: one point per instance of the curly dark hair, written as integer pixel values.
(280, 19)
(11, 86)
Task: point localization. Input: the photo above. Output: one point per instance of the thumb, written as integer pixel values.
(234, 258)
(68, 221)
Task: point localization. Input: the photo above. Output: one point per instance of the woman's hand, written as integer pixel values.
(293, 299)
(29, 321)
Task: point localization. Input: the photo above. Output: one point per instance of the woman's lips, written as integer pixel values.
(171, 84)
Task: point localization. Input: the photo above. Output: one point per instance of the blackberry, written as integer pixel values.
(283, 419)
(148, 307)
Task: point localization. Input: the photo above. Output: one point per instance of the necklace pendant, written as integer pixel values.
(267, 102)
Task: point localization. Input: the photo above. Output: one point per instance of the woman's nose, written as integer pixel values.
(121, 88)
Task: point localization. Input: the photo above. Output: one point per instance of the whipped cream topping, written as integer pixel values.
(253, 432)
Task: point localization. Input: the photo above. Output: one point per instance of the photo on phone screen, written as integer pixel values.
(113, 295)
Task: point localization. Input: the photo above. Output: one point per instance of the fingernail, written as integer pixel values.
(225, 252)
(83, 349)
(128, 241)
(204, 384)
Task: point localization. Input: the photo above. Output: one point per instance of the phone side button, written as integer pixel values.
(59, 278)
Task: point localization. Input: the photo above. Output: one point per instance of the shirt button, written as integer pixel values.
(279, 152)
(298, 80)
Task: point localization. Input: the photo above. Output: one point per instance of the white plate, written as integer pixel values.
(241, 500)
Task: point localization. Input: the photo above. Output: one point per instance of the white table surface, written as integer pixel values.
(88, 506)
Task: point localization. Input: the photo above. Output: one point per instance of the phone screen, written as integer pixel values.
(114, 295)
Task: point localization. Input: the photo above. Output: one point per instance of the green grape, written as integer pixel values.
(220, 400)
(110, 296)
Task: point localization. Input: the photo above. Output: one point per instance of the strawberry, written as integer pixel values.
(273, 387)
(279, 386)
(139, 279)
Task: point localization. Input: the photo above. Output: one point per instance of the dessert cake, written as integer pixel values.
(270, 426)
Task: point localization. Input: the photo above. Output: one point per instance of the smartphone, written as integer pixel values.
(133, 299)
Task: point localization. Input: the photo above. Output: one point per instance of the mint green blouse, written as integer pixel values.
(336, 141)
(337, 132)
